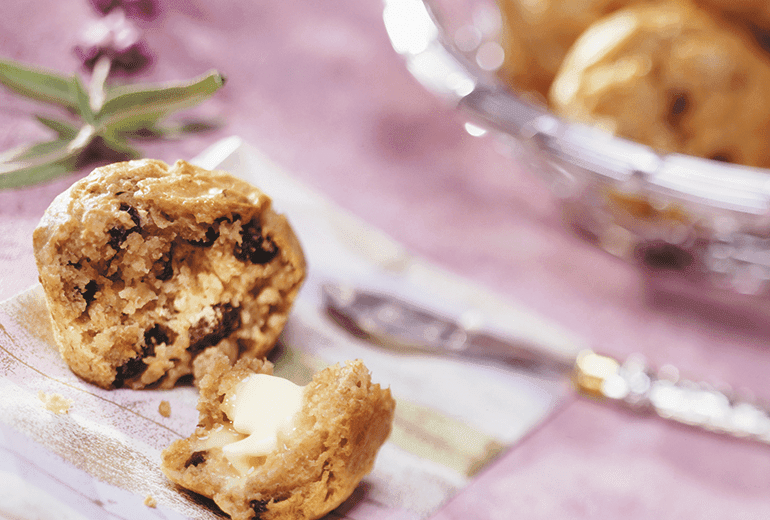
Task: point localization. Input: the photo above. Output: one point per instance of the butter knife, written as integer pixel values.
(391, 322)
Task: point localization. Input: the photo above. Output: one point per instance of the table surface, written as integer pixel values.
(317, 87)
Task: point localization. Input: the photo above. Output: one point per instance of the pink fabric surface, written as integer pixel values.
(317, 87)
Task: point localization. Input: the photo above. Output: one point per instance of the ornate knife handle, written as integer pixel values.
(635, 385)
(397, 324)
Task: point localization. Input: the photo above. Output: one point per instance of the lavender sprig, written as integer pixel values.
(102, 119)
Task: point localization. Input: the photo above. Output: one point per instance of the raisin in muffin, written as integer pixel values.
(146, 265)
(341, 421)
(672, 76)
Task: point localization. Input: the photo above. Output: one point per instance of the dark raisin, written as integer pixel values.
(164, 266)
(132, 212)
(208, 332)
(185, 380)
(678, 105)
(761, 36)
(722, 157)
(665, 256)
(118, 234)
(211, 237)
(154, 336)
(259, 507)
(243, 346)
(89, 292)
(128, 370)
(197, 458)
(255, 247)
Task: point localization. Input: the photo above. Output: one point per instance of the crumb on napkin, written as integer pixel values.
(164, 408)
(55, 403)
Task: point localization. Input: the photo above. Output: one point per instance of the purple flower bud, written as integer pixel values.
(146, 9)
(104, 6)
(116, 38)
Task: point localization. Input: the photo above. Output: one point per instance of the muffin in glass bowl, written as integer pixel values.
(681, 205)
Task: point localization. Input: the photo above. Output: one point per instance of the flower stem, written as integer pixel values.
(96, 90)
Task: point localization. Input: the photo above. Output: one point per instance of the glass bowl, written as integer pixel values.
(697, 225)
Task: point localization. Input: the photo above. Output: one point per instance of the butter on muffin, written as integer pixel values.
(268, 449)
(674, 77)
(146, 265)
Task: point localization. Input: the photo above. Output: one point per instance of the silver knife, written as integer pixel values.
(391, 322)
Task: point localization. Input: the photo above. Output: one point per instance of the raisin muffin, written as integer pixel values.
(537, 35)
(340, 422)
(146, 265)
(674, 77)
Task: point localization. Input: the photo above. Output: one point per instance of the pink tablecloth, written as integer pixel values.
(317, 87)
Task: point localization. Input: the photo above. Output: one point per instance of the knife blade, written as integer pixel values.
(388, 321)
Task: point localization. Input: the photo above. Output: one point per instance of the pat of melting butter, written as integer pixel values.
(262, 407)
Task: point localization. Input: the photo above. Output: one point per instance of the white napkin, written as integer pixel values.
(101, 458)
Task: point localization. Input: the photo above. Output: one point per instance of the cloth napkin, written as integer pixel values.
(99, 455)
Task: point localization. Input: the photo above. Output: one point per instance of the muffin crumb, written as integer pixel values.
(164, 408)
(55, 403)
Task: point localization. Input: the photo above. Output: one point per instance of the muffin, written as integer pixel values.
(323, 440)
(671, 76)
(145, 266)
(538, 34)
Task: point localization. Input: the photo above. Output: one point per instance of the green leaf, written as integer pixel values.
(125, 107)
(33, 152)
(134, 123)
(38, 84)
(119, 144)
(44, 161)
(58, 161)
(189, 126)
(173, 129)
(36, 174)
(64, 129)
(83, 107)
